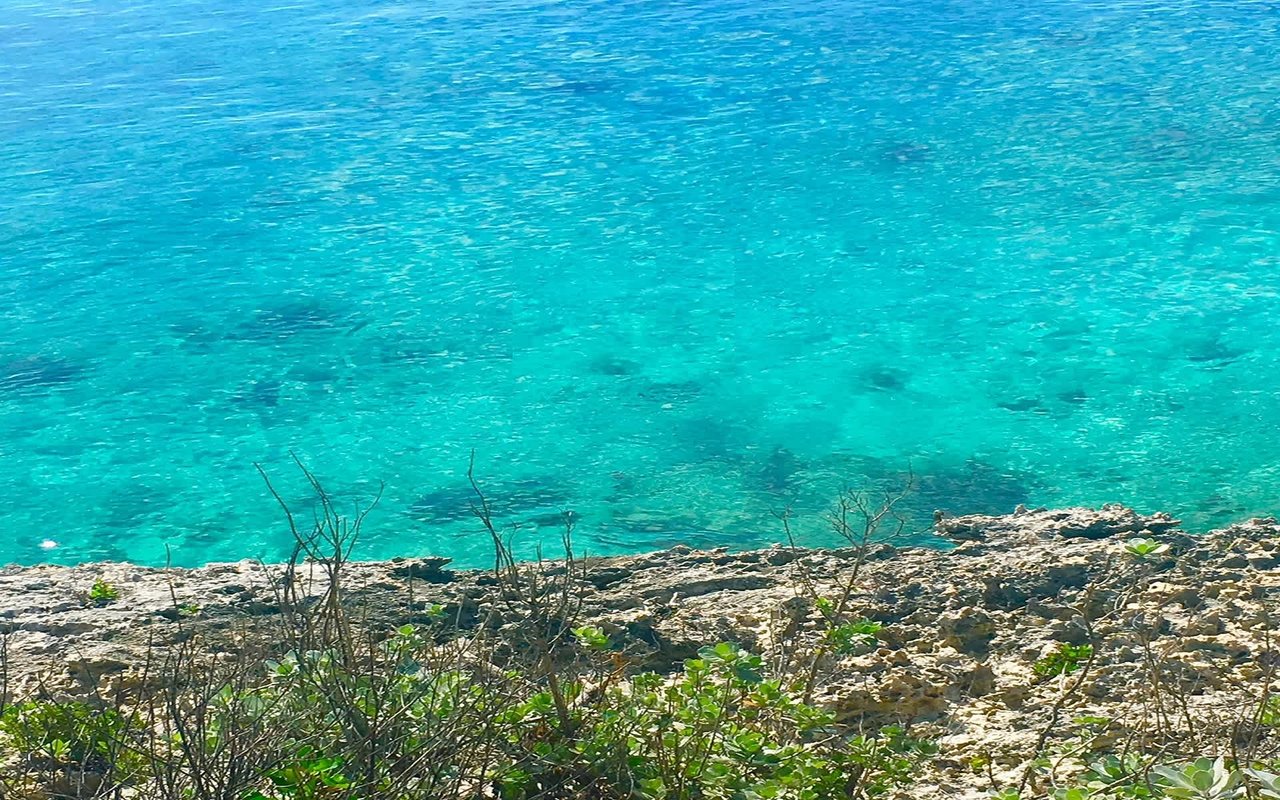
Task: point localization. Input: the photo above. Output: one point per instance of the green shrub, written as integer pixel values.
(400, 716)
(591, 638)
(523, 702)
(1202, 779)
(102, 592)
(853, 637)
(1141, 547)
(1064, 660)
(1128, 777)
(307, 776)
(721, 729)
(56, 736)
(1269, 711)
(1117, 777)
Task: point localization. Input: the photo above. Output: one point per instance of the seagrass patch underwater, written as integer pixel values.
(672, 265)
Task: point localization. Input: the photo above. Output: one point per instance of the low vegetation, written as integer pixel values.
(102, 593)
(1064, 660)
(530, 700)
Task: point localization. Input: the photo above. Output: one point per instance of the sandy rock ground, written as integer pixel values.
(963, 626)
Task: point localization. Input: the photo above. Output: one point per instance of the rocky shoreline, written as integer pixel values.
(963, 626)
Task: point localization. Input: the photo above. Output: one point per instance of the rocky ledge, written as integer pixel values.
(963, 625)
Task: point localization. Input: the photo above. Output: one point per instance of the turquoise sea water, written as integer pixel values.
(675, 266)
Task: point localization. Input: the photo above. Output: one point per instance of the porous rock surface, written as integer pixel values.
(963, 624)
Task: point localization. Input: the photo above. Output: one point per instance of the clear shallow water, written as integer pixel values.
(675, 266)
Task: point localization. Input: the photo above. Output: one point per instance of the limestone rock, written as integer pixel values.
(962, 628)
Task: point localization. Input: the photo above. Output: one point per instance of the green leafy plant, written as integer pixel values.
(591, 638)
(1141, 547)
(1114, 776)
(720, 729)
(1269, 711)
(1267, 784)
(1128, 778)
(308, 776)
(1202, 779)
(853, 637)
(102, 592)
(1064, 660)
(72, 735)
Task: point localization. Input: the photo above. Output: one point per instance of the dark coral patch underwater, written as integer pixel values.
(37, 373)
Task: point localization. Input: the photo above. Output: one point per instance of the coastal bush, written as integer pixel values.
(71, 744)
(1063, 660)
(62, 733)
(1202, 779)
(394, 727)
(1132, 777)
(1141, 547)
(1118, 776)
(852, 637)
(1269, 711)
(720, 729)
(524, 702)
(102, 593)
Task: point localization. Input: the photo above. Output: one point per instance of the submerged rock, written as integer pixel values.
(286, 320)
(509, 501)
(37, 373)
(975, 485)
(258, 394)
(906, 153)
(884, 378)
(778, 474)
(671, 393)
(613, 366)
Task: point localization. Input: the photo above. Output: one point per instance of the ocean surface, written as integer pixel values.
(673, 266)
